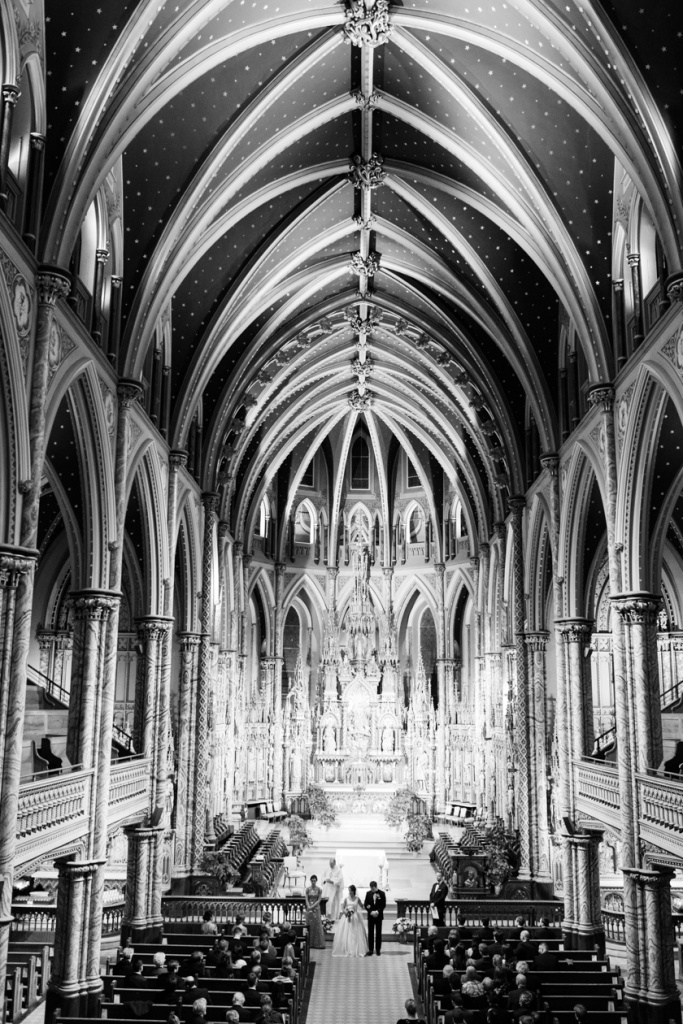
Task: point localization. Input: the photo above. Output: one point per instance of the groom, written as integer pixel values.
(375, 902)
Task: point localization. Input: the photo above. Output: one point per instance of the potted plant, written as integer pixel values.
(502, 853)
(217, 864)
(320, 806)
(419, 829)
(299, 836)
(400, 807)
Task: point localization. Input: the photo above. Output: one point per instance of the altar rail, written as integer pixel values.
(501, 913)
(191, 909)
(29, 920)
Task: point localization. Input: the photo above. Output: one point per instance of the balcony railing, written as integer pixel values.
(660, 798)
(597, 791)
(53, 811)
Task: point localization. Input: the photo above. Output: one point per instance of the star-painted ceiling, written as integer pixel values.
(492, 226)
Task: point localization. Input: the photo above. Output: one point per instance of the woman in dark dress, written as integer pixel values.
(316, 932)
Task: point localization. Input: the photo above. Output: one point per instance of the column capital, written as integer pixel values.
(638, 607)
(52, 283)
(632, 258)
(116, 281)
(15, 563)
(280, 568)
(128, 391)
(674, 286)
(189, 641)
(618, 284)
(102, 255)
(223, 530)
(550, 462)
(177, 458)
(238, 549)
(78, 868)
(484, 549)
(537, 641)
(246, 561)
(499, 530)
(210, 501)
(10, 94)
(37, 141)
(440, 568)
(601, 394)
(387, 570)
(575, 630)
(154, 627)
(651, 878)
(94, 605)
(517, 504)
(333, 570)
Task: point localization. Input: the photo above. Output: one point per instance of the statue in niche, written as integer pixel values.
(295, 771)
(329, 740)
(387, 740)
(421, 763)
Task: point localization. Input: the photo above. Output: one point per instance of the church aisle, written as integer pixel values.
(365, 990)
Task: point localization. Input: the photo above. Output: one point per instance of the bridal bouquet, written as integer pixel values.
(349, 912)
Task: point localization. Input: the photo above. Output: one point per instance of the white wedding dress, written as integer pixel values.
(350, 936)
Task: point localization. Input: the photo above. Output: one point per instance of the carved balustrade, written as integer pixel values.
(596, 786)
(191, 909)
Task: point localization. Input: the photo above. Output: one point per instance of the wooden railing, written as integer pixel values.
(501, 913)
(191, 909)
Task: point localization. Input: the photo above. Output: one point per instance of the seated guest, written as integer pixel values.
(459, 959)
(523, 968)
(465, 932)
(486, 931)
(198, 1013)
(123, 967)
(173, 1018)
(472, 990)
(411, 1014)
(192, 965)
(170, 992)
(496, 946)
(194, 991)
(516, 930)
(508, 954)
(268, 954)
(432, 936)
(238, 929)
(437, 959)
(441, 982)
(545, 931)
(580, 1012)
(282, 985)
(252, 997)
(459, 1015)
(238, 1006)
(217, 952)
(525, 1006)
(267, 923)
(135, 978)
(525, 950)
(254, 960)
(545, 961)
(483, 961)
(453, 937)
(268, 1014)
(515, 995)
(208, 925)
(159, 965)
(289, 946)
(232, 1017)
(288, 962)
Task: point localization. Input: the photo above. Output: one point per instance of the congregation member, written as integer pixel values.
(238, 1005)
(136, 979)
(198, 1012)
(124, 965)
(525, 950)
(438, 958)
(232, 1017)
(192, 965)
(545, 931)
(208, 925)
(545, 960)
(194, 991)
(252, 997)
(268, 1014)
(411, 1014)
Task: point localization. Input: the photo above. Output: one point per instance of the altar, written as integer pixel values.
(360, 867)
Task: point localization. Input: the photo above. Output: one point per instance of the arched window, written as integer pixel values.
(416, 526)
(307, 478)
(304, 524)
(360, 464)
(413, 478)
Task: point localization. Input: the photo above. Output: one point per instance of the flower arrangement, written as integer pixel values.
(400, 807)
(216, 863)
(419, 829)
(328, 924)
(402, 926)
(299, 836)
(320, 806)
(502, 851)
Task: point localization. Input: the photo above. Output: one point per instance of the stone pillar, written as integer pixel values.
(204, 682)
(278, 737)
(536, 717)
(587, 930)
(142, 916)
(525, 781)
(68, 986)
(187, 716)
(638, 612)
(638, 331)
(34, 189)
(619, 328)
(101, 256)
(650, 991)
(439, 778)
(10, 95)
(114, 333)
(153, 729)
(576, 637)
(90, 610)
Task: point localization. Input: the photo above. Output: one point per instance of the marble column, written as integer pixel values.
(278, 735)
(101, 257)
(650, 992)
(34, 189)
(143, 920)
(576, 635)
(154, 726)
(114, 332)
(536, 644)
(633, 259)
(638, 612)
(187, 716)
(587, 930)
(439, 777)
(10, 95)
(68, 988)
(17, 567)
(525, 781)
(210, 502)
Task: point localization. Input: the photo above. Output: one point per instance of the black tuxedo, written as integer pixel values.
(438, 896)
(375, 901)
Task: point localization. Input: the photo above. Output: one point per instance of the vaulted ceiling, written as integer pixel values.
(391, 230)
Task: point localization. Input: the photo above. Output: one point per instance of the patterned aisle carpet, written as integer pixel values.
(360, 990)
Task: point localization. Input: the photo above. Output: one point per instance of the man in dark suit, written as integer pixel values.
(545, 961)
(375, 902)
(437, 900)
(252, 996)
(194, 991)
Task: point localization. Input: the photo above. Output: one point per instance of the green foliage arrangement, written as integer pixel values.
(419, 829)
(320, 806)
(400, 807)
(216, 863)
(299, 836)
(502, 851)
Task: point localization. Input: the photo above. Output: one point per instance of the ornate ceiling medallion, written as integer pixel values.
(367, 174)
(367, 23)
(368, 265)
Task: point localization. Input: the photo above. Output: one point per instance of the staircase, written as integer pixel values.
(671, 704)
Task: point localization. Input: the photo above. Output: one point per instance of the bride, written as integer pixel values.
(350, 937)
